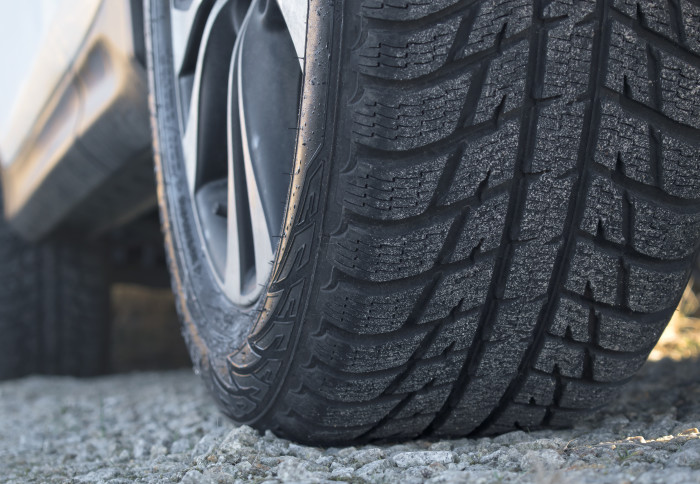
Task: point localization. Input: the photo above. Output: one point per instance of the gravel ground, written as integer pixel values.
(163, 427)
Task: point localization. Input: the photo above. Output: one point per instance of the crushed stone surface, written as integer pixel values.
(164, 427)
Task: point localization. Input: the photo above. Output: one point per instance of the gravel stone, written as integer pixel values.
(544, 459)
(343, 473)
(373, 467)
(365, 456)
(422, 458)
(164, 427)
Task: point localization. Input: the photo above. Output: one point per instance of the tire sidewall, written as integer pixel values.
(214, 328)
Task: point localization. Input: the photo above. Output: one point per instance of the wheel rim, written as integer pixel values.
(238, 80)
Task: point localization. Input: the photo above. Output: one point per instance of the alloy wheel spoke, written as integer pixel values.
(295, 14)
(233, 280)
(249, 246)
(201, 95)
(238, 82)
(187, 18)
(262, 242)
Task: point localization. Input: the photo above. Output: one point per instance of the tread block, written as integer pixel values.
(384, 190)
(566, 417)
(372, 256)
(481, 395)
(584, 395)
(603, 213)
(662, 232)
(365, 354)
(681, 169)
(627, 65)
(500, 358)
(496, 20)
(438, 371)
(574, 10)
(537, 389)
(515, 320)
(624, 139)
(558, 138)
(595, 269)
(530, 269)
(571, 319)
(463, 290)
(691, 13)
(546, 204)
(401, 55)
(556, 353)
(517, 416)
(425, 401)
(679, 90)
(399, 120)
(403, 9)
(568, 52)
(347, 387)
(317, 410)
(455, 335)
(486, 160)
(482, 228)
(609, 368)
(404, 428)
(356, 311)
(619, 334)
(504, 87)
(652, 291)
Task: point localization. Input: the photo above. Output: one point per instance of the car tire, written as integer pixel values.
(493, 212)
(54, 307)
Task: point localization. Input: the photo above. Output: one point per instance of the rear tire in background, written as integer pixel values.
(54, 307)
(492, 214)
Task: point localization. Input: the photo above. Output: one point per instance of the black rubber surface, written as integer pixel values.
(494, 213)
(54, 307)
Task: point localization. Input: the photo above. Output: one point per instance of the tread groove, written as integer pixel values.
(677, 21)
(535, 69)
(577, 204)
